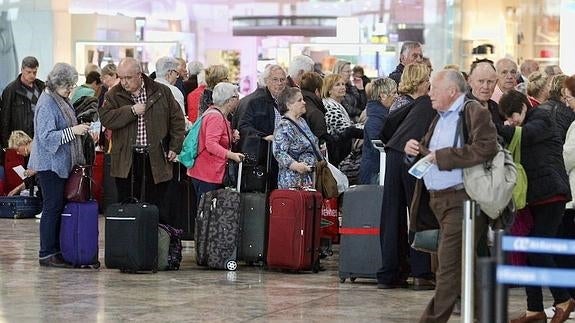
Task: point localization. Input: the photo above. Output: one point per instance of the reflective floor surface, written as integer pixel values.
(30, 293)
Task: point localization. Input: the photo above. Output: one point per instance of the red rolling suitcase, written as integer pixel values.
(294, 230)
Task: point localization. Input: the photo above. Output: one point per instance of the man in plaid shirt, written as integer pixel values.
(142, 113)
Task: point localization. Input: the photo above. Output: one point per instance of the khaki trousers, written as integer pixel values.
(447, 205)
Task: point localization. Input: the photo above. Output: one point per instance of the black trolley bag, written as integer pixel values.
(131, 243)
(360, 247)
(253, 219)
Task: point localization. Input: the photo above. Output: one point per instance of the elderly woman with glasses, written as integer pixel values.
(215, 141)
(56, 147)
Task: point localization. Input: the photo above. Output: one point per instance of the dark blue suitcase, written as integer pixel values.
(79, 234)
(19, 207)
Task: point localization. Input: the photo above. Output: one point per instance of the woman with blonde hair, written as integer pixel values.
(560, 112)
(339, 124)
(21, 142)
(355, 98)
(410, 117)
(537, 88)
(214, 75)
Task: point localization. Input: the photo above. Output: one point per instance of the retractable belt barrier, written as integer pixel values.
(496, 275)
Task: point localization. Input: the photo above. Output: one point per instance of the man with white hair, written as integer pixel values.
(167, 74)
(506, 78)
(299, 65)
(194, 68)
(444, 180)
(258, 113)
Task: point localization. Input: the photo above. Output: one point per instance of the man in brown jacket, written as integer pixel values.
(144, 113)
(444, 180)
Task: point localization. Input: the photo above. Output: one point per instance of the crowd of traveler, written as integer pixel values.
(306, 116)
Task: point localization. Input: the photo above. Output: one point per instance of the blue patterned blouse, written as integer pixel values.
(291, 145)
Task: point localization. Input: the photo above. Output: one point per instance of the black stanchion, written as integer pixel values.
(501, 290)
(486, 270)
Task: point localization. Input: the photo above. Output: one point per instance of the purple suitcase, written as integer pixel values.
(79, 234)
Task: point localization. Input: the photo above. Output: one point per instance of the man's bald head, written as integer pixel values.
(482, 80)
(529, 66)
(506, 74)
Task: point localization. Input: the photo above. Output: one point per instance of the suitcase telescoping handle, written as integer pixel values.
(142, 149)
(380, 146)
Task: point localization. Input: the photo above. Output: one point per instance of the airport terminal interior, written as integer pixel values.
(246, 36)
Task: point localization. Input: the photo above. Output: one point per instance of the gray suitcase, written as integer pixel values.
(254, 223)
(360, 247)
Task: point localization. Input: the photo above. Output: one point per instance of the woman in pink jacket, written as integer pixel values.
(215, 141)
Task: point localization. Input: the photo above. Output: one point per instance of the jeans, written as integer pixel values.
(52, 206)
(546, 222)
(202, 187)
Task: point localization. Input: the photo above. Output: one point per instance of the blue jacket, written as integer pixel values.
(48, 152)
(376, 115)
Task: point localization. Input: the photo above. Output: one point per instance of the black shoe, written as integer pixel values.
(423, 284)
(396, 284)
(54, 261)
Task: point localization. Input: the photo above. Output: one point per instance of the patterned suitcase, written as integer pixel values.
(294, 230)
(79, 234)
(217, 229)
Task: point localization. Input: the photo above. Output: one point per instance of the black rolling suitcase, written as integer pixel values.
(254, 224)
(360, 247)
(131, 243)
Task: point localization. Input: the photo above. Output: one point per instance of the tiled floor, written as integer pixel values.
(29, 293)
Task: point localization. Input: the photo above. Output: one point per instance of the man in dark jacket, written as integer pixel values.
(258, 113)
(142, 112)
(482, 81)
(19, 101)
(411, 52)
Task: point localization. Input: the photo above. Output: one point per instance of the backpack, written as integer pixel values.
(491, 183)
(189, 153)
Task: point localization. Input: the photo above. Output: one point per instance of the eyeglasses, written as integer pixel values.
(70, 87)
(278, 80)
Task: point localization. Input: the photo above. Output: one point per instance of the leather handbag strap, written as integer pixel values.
(316, 152)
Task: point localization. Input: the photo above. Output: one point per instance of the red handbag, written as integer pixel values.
(77, 187)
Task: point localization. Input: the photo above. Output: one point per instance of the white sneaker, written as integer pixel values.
(39, 215)
(550, 311)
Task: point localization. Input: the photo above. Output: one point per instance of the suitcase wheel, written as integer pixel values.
(231, 265)
(95, 265)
